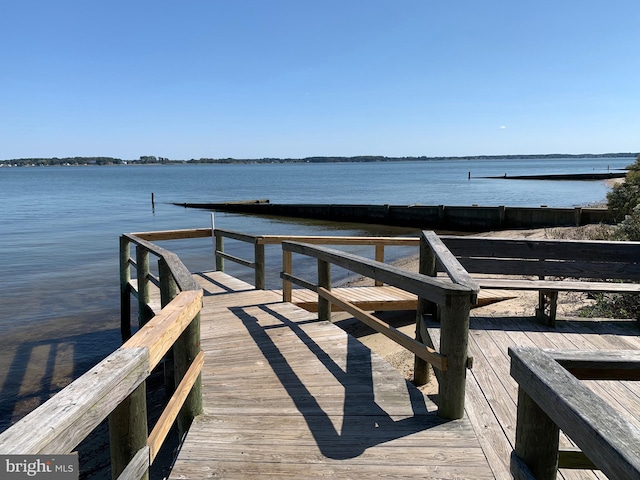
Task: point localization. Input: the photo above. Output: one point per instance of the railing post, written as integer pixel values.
(185, 351)
(125, 289)
(454, 340)
(537, 438)
(259, 269)
(287, 268)
(219, 248)
(168, 291)
(128, 430)
(379, 258)
(427, 266)
(324, 281)
(142, 262)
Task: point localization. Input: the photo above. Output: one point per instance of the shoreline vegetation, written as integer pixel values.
(154, 160)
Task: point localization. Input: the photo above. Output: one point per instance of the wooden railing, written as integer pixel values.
(452, 299)
(552, 398)
(259, 242)
(115, 388)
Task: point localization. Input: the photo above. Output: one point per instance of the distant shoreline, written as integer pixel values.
(151, 160)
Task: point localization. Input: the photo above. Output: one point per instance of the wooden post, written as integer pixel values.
(537, 438)
(168, 291)
(421, 371)
(142, 262)
(128, 430)
(379, 258)
(219, 248)
(324, 280)
(260, 266)
(454, 340)
(125, 289)
(213, 238)
(185, 351)
(287, 267)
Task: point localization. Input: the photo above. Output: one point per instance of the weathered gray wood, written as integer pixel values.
(454, 340)
(125, 288)
(287, 396)
(600, 365)
(144, 296)
(219, 252)
(128, 430)
(591, 250)
(603, 435)
(432, 289)
(449, 262)
(537, 438)
(61, 423)
(427, 266)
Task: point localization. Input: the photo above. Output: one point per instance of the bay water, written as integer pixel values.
(59, 229)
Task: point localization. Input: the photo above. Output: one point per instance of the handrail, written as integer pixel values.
(259, 241)
(112, 388)
(551, 398)
(453, 299)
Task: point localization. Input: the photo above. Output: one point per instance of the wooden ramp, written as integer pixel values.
(383, 298)
(286, 396)
(492, 394)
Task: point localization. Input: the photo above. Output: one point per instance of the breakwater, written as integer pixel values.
(567, 176)
(440, 217)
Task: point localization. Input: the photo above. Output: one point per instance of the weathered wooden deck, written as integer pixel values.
(491, 398)
(286, 396)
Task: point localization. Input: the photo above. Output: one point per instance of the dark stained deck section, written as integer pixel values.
(286, 396)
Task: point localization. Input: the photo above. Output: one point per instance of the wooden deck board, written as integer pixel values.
(286, 396)
(489, 340)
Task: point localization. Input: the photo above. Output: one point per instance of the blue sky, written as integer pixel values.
(251, 79)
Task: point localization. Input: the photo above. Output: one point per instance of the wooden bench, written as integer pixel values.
(551, 266)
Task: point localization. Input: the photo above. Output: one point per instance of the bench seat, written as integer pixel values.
(554, 265)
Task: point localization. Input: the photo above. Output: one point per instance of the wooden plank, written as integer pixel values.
(166, 420)
(563, 285)
(449, 262)
(419, 349)
(606, 439)
(58, 425)
(162, 331)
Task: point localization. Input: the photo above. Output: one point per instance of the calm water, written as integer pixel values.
(59, 231)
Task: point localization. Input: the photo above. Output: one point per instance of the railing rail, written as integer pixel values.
(114, 388)
(259, 242)
(552, 398)
(453, 300)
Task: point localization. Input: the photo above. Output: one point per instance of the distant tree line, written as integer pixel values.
(55, 161)
(152, 159)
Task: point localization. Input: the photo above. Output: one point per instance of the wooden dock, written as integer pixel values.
(286, 396)
(492, 394)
